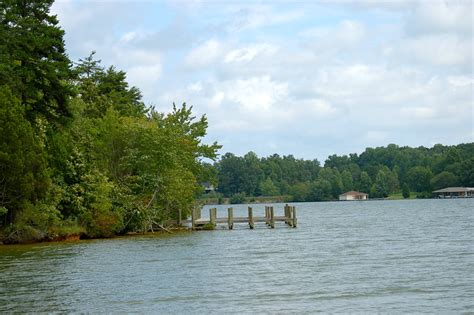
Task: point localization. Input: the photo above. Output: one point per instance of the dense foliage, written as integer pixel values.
(377, 171)
(79, 151)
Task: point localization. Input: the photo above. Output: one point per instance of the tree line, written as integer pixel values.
(377, 171)
(80, 153)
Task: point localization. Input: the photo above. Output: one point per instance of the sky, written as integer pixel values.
(307, 78)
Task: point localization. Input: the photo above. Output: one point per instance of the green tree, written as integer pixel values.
(381, 186)
(419, 178)
(347, 182)
(365, 182)
(320, 190)
(23, 169)
(300, 191)
(230, 169)
(405, 191)
(102, 89)
(267, 188)
(467, 172)
(443, 180)
(33, 62)
(252, 174)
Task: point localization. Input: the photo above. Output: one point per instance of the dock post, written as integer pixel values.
(272, 218)
(230, 218)
(251, 224)
(212, 216)
(295, 220)
(267, 216)
(193, 218)
(290, 215)
(287, 215)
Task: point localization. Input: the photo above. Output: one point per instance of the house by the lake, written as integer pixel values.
(353, 195)
(455, 192)
(208, 187)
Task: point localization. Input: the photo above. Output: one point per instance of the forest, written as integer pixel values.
(377, 171)
(80, 153)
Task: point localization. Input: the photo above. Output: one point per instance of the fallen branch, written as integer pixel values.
(163, 228)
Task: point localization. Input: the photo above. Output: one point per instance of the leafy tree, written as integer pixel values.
(347, 183)
(252, 174)
(23, 170)
(320, 190)
(419, 178)
(405, 191)
(267, 188)
(238, 198)
(467, 172)
(102, 89)
(33, 62)
(381, 186)
(300, 191)
(230, 170)
(365, 182)
(443, 180)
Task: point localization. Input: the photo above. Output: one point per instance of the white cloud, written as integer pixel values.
(460, 81)
(320, 107)
(258, 16)
(205, 54)
(376, 136)
(442, 16)
(145, 77)
(195, 87)
(346, 33)
(256, 94)
(217, 99)
(248, 53)
(128, 37)
(438, 49)
(419, 112)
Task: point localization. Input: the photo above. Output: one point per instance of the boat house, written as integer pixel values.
(208, 187)
(353, 195)
(455, 192)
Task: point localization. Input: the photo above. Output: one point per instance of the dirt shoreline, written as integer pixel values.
(76, 238)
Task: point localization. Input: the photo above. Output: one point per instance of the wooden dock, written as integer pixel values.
(289, 218)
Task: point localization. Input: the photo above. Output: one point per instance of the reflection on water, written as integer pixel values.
(380, 256)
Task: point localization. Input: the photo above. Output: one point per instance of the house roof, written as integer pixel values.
(354, 193)
(454, 189)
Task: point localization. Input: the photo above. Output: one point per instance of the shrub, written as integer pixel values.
(237, 198)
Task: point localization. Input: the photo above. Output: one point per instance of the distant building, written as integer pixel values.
(455, 192)
(208, 187)
(354, 195)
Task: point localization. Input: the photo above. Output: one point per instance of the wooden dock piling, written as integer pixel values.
(293, 215)
(230, 218)
(213, 216)
(251, 223)
(266, 215)
(272, 218)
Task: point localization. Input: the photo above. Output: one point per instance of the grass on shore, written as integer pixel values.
(399, 196)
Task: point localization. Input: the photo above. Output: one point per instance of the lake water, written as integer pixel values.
(376, 256)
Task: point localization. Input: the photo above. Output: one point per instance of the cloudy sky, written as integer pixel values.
(308, 78)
